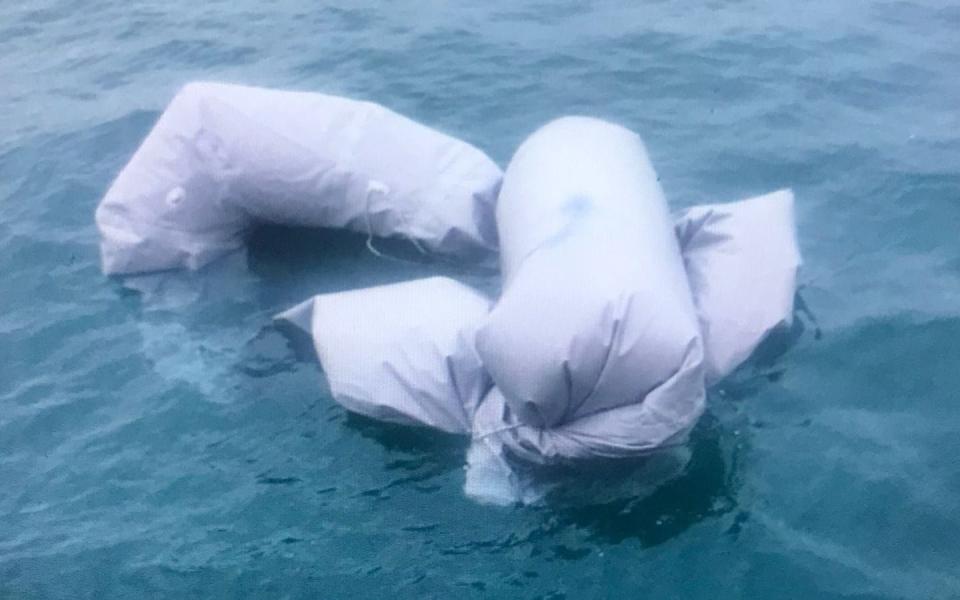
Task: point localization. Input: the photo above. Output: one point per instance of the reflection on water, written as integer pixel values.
(294, 263)
(414, 455)
(653, 499)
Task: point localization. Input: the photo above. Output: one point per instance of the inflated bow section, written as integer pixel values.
(223, 158)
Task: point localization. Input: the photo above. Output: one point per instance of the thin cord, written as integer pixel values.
(373, 187)
(382, 188)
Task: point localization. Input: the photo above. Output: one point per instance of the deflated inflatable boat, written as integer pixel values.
(613, 319)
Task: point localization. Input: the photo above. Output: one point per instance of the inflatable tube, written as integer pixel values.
(403, 352)
(594, 345)
(741, 260)
(222, 158)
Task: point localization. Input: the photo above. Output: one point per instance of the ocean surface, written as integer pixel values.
(169, 442)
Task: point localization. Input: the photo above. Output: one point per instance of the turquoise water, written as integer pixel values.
(171, 443)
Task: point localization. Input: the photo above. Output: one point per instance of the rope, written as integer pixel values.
(379, 187)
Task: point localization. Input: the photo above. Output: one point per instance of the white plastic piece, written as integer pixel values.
(594, 345)
(491, 479)
(402, 352)
(741, 259)
(225, 157)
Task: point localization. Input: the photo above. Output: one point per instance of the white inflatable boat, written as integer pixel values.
(613, 319)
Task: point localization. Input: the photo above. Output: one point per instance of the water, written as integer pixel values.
(172, 444)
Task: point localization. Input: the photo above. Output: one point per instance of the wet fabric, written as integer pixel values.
(223, 158)
(402, 352)
(741, 259)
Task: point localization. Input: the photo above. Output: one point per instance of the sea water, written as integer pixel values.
(161, 439)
